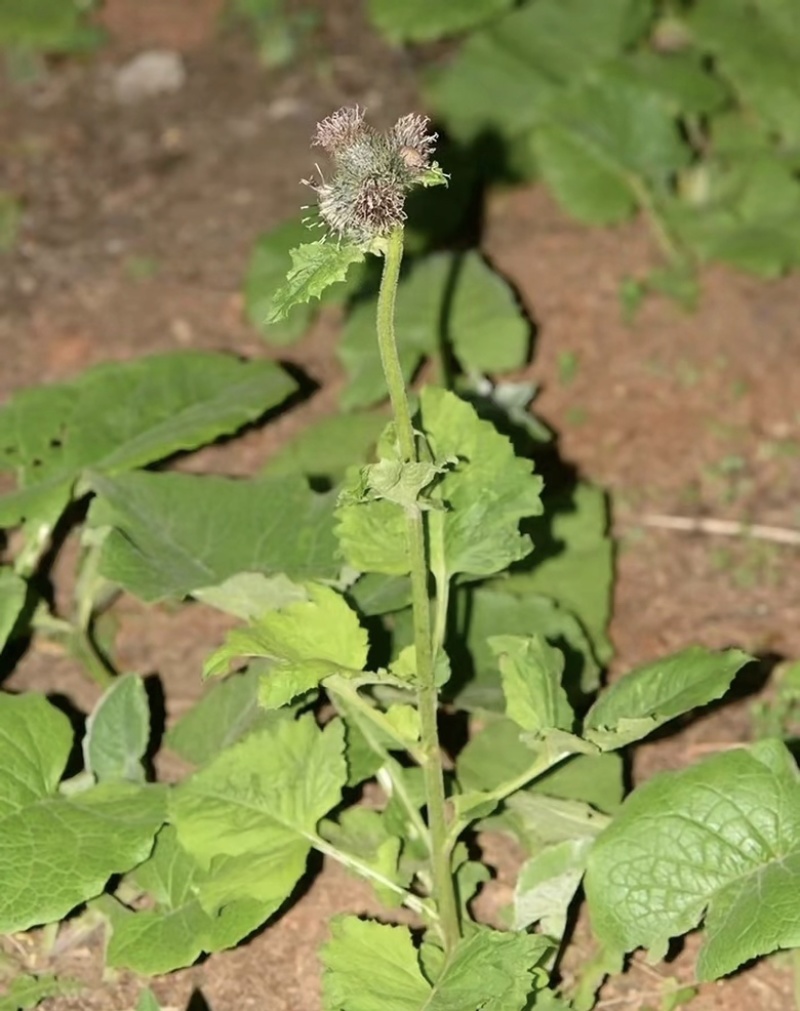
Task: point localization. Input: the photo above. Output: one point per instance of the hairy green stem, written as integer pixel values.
(427, 694)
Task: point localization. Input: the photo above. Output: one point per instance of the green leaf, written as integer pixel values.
(13, 591)
(248, 595)
(721, 841)
(58, 851)
(505, 74)
(175, 533)
(307, 641)
(747, 213)
(266, 272)
(452, 300)
(485, 498)
(547, 884)
(365, 834)
(250, 815)
(176, 928)
(531, 671)
(497, 608)
(315, 266)
(27, 991)
(425, 20)
(329, 447)
(53, 26)
(371, 964)
(540, 822)
(120, 416)
(605, 142)
(679, 78)
(574, 566)
(756, 46)
(393, 481)
(117, 732)
(643, 700)
(147, 1001)
(225, 714)
(492, 970)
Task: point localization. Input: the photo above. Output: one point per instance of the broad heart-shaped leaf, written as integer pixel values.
(531, 671)
(485, 497)
(369, 965)
(117, 732)
(307, 641)
(646, 698)
(58, 851)
(13, 590)
(315, 267)
(250, 815)
(603, 142)
(722, 837)
(505, 73)
(422, 21)
(175, 533)
(177, 929)
(116, 417)
(228, 712)
(756, 46)
(448, 299)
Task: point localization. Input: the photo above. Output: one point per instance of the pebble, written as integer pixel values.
(149, 74)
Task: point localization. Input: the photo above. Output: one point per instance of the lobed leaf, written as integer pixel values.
(249, 816)
(315, 267)
(485, 498)
(307, 641)
(369, 964)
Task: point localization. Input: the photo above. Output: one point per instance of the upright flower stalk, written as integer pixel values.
(363, 204)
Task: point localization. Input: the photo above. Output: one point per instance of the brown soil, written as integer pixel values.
(683, 414)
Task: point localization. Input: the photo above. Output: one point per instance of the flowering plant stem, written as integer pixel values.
(427, 693)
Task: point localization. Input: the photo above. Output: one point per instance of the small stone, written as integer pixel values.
(152, 73)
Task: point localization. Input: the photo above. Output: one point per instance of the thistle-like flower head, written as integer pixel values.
(373, 172)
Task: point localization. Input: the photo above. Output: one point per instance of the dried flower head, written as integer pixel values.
(373, 173)
(339, 130)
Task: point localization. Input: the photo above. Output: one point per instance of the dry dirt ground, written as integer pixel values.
(138, 223)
